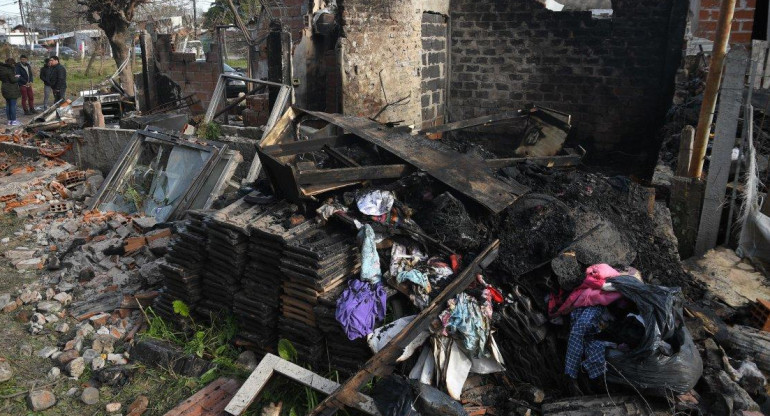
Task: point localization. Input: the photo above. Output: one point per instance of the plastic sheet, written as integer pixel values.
(647, 367)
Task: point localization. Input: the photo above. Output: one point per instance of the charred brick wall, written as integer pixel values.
(743, 21)
(193, 77)
(615, 76)
(434, 70)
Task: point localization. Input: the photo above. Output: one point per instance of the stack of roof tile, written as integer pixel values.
(314, 262)
(184, 264)
(227, 246)
(256, 306)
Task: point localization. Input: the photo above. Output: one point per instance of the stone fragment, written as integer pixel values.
(99, 320)
(104, 344)
(30, 264)
(54, 373)
(49, 293)
(63, 298)
(40, 400)
(67, 356)
(76, 367)
(112, 407)
(117, 359)
(10, 307)
(74, 344)
(90, 354)
(49, 306)
(72, 391)
(90, 396)
(62, 327)
(30, 296)
(6, 372)
(139, 406)
(46, 352)
(97, 363)
(5, 298)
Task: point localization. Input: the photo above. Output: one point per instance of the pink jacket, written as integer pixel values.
(589, 293)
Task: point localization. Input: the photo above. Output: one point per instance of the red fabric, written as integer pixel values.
(27, 98)
(456, 260)
(589, 293)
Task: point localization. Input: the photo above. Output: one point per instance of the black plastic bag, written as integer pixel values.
(653, 366)
(393, 397)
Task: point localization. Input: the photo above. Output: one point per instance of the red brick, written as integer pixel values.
(740, 38)
(707, 27)
(744, 14)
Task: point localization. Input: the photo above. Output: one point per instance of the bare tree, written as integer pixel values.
(114, 18)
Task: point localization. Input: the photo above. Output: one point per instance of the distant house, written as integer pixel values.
(76, 40)
(18, 36)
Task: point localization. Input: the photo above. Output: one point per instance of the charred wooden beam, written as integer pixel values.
(322, 176)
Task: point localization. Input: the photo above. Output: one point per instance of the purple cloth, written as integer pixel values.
(360, 307)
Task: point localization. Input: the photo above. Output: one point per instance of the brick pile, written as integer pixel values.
(257, 110)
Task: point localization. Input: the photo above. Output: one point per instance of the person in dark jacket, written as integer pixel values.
(45, 70)
(10, 89)
(24, 70)
(57, 78)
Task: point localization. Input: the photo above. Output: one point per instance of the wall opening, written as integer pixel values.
(600, 9)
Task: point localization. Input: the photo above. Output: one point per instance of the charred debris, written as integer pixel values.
(485, 265)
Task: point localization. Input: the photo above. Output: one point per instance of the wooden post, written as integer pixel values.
(712, 87)
(685, 151)
(148, 70)
(722, 150)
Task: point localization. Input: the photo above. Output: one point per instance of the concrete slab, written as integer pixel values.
(99, 148)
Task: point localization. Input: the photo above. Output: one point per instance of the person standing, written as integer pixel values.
(24, 70)
(58, 79)
(45, 72)
(10, 89)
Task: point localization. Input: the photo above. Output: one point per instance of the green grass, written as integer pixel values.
(237, 63)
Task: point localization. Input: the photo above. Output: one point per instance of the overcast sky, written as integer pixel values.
(10, 8)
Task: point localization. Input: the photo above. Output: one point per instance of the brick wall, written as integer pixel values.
(382, 46)
(434, 71)
(615, 76)
(743, 21)
(292, 15)
(192, 77)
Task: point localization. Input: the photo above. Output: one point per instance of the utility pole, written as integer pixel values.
(722, 37)
(195, 20)
(24, 26)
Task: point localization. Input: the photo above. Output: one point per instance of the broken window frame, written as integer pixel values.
(284, 100)
(219, 156)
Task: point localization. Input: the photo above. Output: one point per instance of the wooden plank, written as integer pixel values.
(384, 361)
(464, 173)
(304, 146)
(766, 70)
(211, 400)
(272, 364)
(758, 54)
(474, 122)
(322, 176)
(685, 151)
(730, 99)
(560, 161)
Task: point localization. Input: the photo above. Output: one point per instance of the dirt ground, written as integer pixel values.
(163, 389)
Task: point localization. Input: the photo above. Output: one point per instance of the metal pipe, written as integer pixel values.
(716, 67)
